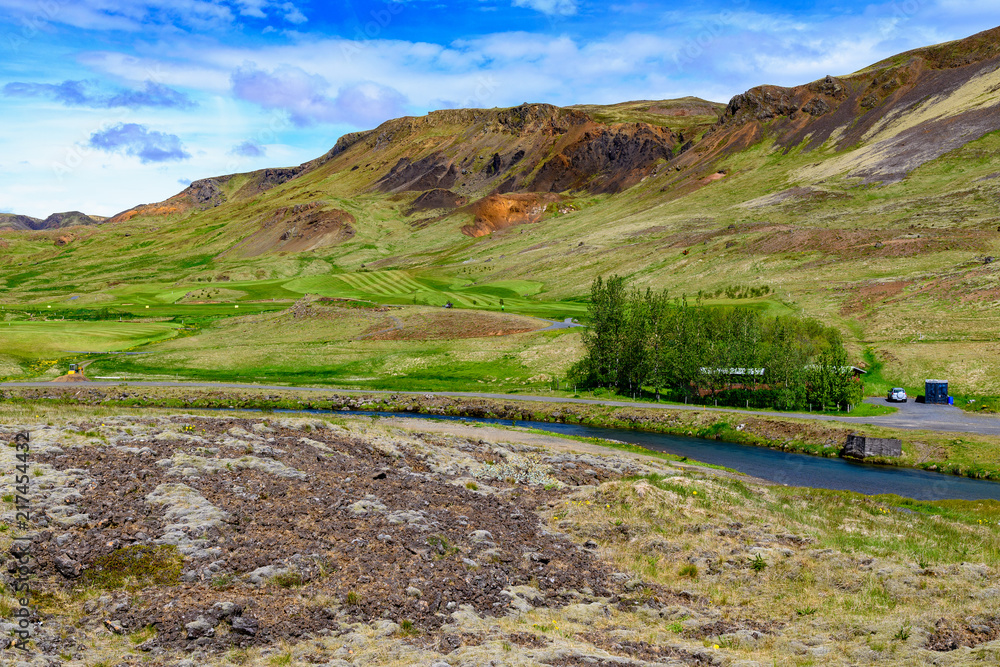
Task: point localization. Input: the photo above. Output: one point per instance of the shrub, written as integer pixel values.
(689, 570)
(288, 579)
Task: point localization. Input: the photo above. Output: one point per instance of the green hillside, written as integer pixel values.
(870, 201)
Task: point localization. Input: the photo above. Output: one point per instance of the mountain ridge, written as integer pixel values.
(17, 222)
(601, 155)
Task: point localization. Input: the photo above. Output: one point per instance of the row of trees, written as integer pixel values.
(640, 341)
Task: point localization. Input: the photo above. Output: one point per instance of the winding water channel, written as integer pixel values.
(770, 464)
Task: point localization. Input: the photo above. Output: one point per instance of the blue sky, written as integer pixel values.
(109, 104)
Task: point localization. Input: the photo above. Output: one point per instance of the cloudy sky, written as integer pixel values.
(111, 103)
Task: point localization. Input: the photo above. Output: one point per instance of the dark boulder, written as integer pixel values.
(68, 567)
(245, 625)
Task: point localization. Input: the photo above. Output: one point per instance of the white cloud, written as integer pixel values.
(145, 15)
(559, 7)
(293, 14)
(305, 91)
(254, 8)
(189, 73)
(701, 53)
(307, 99)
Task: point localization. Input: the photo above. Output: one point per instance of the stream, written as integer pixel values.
(770, 464)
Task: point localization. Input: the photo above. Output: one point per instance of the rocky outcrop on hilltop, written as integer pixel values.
(265, 179)
(200, 195)
(212, 192)
(69, 219)
(894, 116)
(607, 159)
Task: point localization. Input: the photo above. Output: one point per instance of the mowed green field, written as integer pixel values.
(32, 342)
(400, 287)
(336, 347)
(397, 287)
(235, 331)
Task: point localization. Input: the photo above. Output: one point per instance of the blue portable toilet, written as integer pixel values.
(936, 391)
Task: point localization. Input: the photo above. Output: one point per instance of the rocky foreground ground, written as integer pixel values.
(192, 540)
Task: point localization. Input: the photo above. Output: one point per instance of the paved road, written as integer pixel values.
(911, 415)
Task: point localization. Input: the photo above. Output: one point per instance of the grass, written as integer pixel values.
(689, 570)
(238, 656)
(143, 634)
(288, 580)
(135, 566)
(845, 559)
(329, 349)
(54, 339)
(653, 113)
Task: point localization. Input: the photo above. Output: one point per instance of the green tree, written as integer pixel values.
(832, 380)
(784, 357)
(635, 365)
(604, 339)
(686, 347)
(658, 336)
